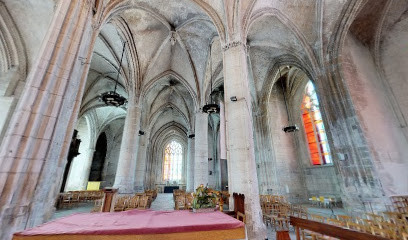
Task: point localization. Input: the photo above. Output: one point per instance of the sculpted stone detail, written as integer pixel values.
(233, 44)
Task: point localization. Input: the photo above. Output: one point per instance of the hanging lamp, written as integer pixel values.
(290, 128)
(211, 107)
(112, 98)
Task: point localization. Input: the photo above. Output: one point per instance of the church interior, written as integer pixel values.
(286, 114)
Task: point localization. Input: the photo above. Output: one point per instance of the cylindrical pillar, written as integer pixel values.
(201, 150)
(125, 173)
(240, 139)
(79, 173)
(223, 145)
(141, 164)
(190, 165)
(37, 139)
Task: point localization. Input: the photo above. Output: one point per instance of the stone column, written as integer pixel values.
(79, 173)
(223, 145)
(141, 163)
(223, 148)
(190, 165)
(201, 149)
(125, 173)
(35, 147)
(240, 139)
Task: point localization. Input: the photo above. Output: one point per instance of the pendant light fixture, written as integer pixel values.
(211, 107)
(290, 128)
(112, 98)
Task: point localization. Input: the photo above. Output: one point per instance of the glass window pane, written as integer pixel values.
(314, 127)
(173, 162)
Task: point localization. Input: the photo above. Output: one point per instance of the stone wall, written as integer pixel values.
(383, 133)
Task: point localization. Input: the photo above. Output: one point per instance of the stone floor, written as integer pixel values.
(82, 208)
(164, 202)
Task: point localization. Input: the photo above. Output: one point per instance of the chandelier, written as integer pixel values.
(211, 107)
(112, 98)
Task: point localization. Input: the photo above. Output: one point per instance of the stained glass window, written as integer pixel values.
(315, 132)
(173, 162)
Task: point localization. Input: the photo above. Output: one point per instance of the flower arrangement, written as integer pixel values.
(204, 198)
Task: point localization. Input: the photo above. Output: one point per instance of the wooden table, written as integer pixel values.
(138, 225)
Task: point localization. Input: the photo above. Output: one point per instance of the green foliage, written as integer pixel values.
(204, 198)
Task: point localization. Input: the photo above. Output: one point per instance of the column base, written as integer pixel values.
(125, 186)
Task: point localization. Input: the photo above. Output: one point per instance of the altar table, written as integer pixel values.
(138, 225)
(169, 189)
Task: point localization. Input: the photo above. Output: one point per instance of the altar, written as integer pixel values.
(139, 225)
(169, 189)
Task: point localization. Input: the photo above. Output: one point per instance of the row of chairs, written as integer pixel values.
(322, 201)
(73, 198)
(390, 225)
(183, 201)
(124, 203)
(400, 203)
(277, 214)
(272, 198)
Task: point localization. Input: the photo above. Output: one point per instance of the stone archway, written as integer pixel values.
(98, 160)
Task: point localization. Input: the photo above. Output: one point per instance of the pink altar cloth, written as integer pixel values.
(135, 222)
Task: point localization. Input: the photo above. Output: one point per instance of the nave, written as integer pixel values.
(292, 99)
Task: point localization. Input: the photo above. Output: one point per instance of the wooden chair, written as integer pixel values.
(239, 203)
(143, 202)
(240, 216)
(66, 200)
(225, 197)
(375, 217)
(392, 216)
(310, 235)
(282, 219)
(321, 201)
(370, 223)
(315, 201)
(133, 203)
(75, 198)
(405, 236)
(120, 204)
(189, 201)
(98, 206)
(180, 202)
(336, 222)
(355, 226)
(344, 218)
(317, 218)
(268, 212)
(379, 232)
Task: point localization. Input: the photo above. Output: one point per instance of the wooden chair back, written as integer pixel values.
(317, 218)
(189, 201)
(180, 202)
(239, 203)
(344, 218)
(143, 202)
(133, 203)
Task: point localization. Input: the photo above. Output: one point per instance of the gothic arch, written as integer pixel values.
(12, 52)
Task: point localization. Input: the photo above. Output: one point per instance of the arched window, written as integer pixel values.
(315, 132)
(173, 162)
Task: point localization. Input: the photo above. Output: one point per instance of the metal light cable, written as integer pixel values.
(120, 66)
